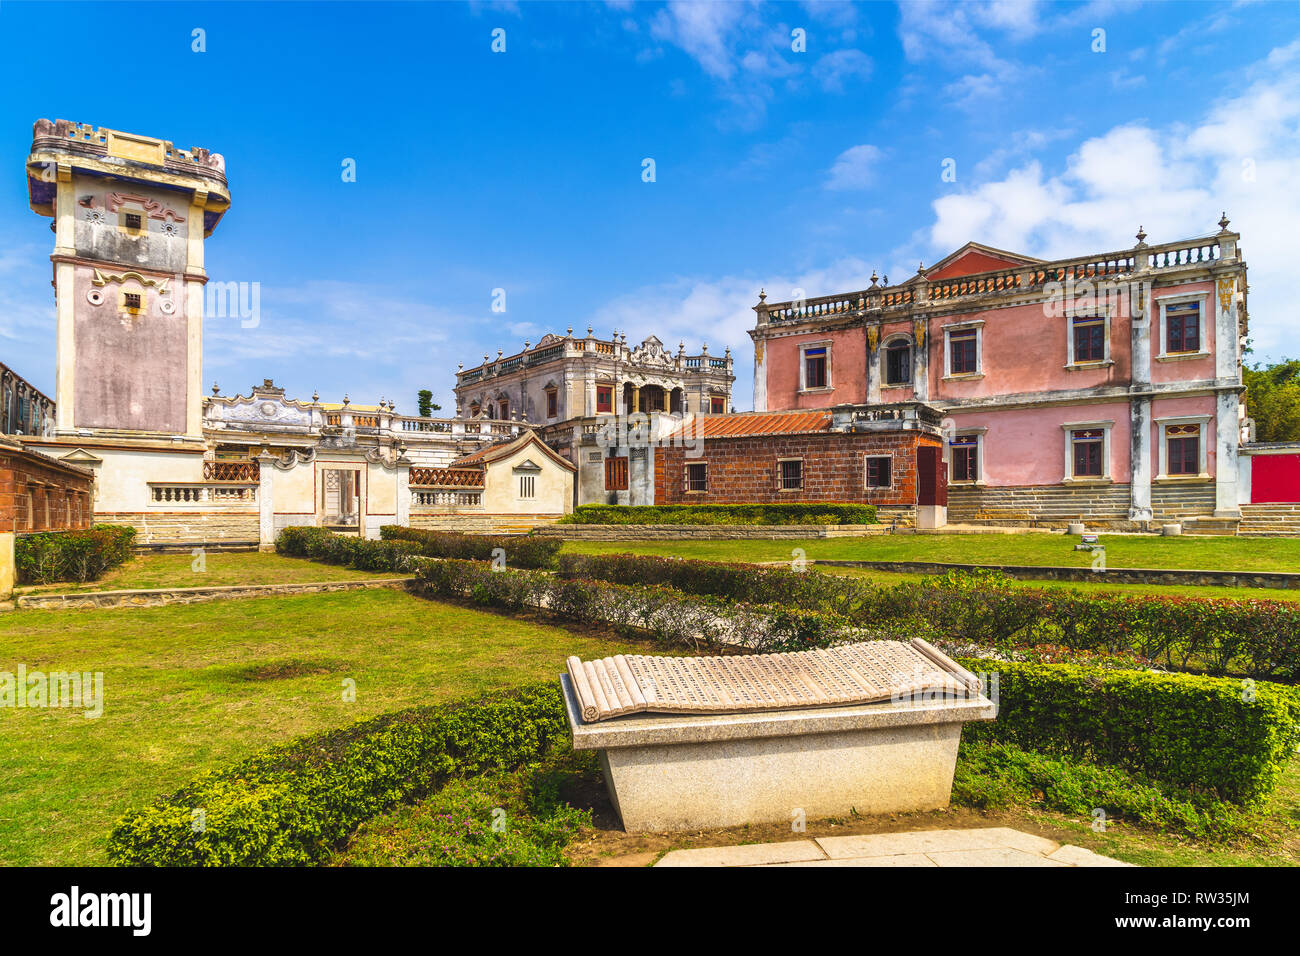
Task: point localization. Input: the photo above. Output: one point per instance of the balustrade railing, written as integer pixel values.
(443, 499)
(195, 494)
(231, 471)
(447, 477)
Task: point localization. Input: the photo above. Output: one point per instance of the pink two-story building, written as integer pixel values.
(1106, 387)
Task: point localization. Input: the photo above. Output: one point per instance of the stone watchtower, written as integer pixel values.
(130, 216)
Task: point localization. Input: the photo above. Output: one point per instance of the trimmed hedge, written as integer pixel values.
(1217, 636)
(71, 555)
(521, 551)
(667, 616)
(347, 549)
(1226, 738)
(293, 804)
(748, 514)
(994, 776)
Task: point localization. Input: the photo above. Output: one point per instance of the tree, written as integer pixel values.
(1273, 400)
(424, 401)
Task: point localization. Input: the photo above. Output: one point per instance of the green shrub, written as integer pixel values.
(519, 551)
(1220, 737)
(665, 615)
(71, 555)
(1212, 635)
(347, 549)
(994, 776)
(746, 514)
(293, 804)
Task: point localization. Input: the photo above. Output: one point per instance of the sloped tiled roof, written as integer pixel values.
(483, 456)
(759, 423)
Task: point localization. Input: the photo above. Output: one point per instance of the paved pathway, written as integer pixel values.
(988, 846)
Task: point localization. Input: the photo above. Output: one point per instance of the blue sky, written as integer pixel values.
(522, 170)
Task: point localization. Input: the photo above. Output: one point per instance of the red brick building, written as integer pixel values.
(890, 456)
(38, 493)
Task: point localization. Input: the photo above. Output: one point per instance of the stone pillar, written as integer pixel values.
(8, 570)
(266, 502)
(873, 364)
(921, 359)
(1140, 459)
(760, 375)
(403, 489)
(1140, 451)
(1227, 425)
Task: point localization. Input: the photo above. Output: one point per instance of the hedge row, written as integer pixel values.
(1217, 636)
(348, 549)
(519, 551)
(71, 555)
(667, 616)
(293, 804)
(1226, 738)
(749, 514)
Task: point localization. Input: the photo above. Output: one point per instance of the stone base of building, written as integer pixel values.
(1101, 506)
(192, 527)
(483, 523)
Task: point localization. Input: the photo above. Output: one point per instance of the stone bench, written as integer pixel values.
(698, 743)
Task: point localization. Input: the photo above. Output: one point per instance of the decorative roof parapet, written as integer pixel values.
(101, 141)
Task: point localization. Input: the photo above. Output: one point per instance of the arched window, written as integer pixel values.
(898, 362)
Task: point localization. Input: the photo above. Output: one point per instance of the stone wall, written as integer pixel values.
(481, 523)
(194, 527)
(1039, 503)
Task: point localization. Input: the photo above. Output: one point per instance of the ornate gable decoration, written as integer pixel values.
(651, 352)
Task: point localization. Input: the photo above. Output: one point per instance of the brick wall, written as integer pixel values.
(744, 470)
(41, 494)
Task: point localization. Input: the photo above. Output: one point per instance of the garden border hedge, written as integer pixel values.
(775, 513)
(83, 555)
(1219, 636)
(293, 804)
(521, 551)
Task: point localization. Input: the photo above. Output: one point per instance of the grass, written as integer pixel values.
(192, 687)
(214, 569)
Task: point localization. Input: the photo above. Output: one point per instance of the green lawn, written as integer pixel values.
(213, 569)
(1122, 551)
(191, 687)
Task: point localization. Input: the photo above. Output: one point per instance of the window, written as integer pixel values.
(878, 471)
(717, 405)
(616, 474)
(131, 301)
(552, 403)
(697, 476)
(132, 220)
(1089, 338)
(504, 410)
(963, 345)
(527, 486)
(1086, 447)
(814, 367)
(898, 364)
(965, 458)
(1183, 449)
(789, 475)
(1183, 327)
(604, 398)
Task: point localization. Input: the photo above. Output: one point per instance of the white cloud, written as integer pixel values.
(1242, 155)
(854, 168)
(833, 69)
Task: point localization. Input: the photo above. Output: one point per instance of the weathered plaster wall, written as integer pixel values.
(848, 370)
(131, 370)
